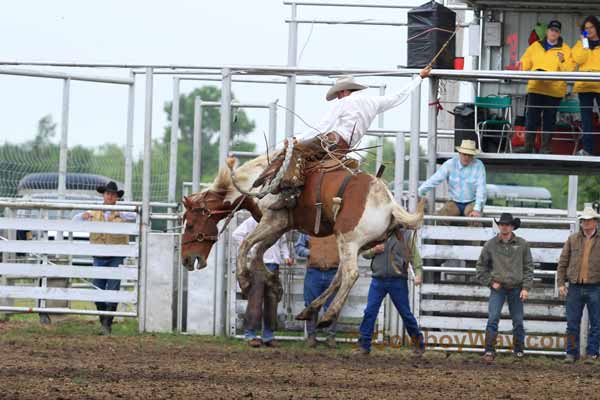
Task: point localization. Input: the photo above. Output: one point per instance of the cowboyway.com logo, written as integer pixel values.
(470, 339)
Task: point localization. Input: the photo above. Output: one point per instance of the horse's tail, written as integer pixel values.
(403, 217)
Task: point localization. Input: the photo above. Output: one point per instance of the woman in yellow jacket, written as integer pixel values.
(543, 97)
(586, 53)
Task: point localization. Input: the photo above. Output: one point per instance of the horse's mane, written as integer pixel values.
(222, 182)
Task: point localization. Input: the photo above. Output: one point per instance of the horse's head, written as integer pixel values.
(203, 211)
(202, 214)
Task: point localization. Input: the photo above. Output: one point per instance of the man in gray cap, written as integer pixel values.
(579, 263)
(342, 127)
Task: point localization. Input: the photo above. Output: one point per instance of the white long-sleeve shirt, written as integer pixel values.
(356, 113)
(275, 254)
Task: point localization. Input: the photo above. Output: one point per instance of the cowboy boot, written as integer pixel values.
(106, 321)
(418, 343)
(287, 198)
(101, 307)
(311, 341)
(110, 318)
(490, 346)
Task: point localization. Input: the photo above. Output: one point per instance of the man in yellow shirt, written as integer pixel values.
(543, 97)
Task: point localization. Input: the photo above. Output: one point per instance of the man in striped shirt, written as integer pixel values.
(466, 182)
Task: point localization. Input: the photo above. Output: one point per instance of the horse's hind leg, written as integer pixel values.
(315, 306)
(349, 274)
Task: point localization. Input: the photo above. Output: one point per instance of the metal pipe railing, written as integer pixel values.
(360, 5)
(283, 70)
(66, 206)
(47, 310)
(64, 75)
(351, 22)
(71, 201)
(553, 221)
(539, 272)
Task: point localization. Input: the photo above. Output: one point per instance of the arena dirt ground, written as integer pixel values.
(68, 360)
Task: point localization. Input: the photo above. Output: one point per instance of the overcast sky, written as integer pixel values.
(178, 32)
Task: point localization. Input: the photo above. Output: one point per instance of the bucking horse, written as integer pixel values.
(336, 198)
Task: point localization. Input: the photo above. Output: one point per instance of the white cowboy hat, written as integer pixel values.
(468, 147)
(589, 213)
(343, 83)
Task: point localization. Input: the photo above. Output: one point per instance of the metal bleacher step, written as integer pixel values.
(535, 163)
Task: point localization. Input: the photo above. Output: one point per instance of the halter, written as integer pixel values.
(202, 208)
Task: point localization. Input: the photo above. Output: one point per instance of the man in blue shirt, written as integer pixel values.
(466, 182)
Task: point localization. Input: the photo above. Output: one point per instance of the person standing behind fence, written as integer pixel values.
(579, 264)
(111, 194)
(466, 182)
(550, 54)
(506, 267)
(322, 264)
(390, 272)
(586, 53)
(261, 310)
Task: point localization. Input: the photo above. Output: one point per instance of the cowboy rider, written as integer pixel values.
(342, 127)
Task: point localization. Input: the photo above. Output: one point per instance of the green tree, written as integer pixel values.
(389, 159)
(211, 120)
(46, 130)
(588, 190)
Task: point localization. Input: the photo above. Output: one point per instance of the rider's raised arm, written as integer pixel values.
(390, 101)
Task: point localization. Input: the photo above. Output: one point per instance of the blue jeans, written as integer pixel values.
(267, 334)
(398, 291)
(315, 283)
(579, 296)
(538, 105)
(461, 207)
(515, 307)
(586, 101)
(107, 284)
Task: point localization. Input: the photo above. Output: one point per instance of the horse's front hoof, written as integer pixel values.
(244, 282)
(305, 315)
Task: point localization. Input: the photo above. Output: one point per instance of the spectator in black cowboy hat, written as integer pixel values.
(111, 194)
(506, 267)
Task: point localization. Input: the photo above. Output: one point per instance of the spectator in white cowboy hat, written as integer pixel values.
(579, 264)
(466, 182)
(111, 193)
(506, 267)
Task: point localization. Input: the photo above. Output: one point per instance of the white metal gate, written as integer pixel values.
(451, 306)
(27, 265)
